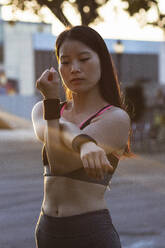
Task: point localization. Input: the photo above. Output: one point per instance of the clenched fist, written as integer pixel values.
(48, 84)
(94, 160)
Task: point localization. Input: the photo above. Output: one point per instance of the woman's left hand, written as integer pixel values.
(94, 160)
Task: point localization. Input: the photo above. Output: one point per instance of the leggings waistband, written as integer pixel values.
(81, 224)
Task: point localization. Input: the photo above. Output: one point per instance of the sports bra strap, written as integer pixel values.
(62, 109)
(88, 120)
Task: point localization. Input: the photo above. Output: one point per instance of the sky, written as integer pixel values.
(116, 23)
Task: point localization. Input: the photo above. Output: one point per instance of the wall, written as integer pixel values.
(19, 53)
(18, 105)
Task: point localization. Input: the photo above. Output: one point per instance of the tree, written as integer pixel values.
(142, 7)
(88, 9)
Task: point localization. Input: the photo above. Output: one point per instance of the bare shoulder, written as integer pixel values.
(117, 116)
(110, 129)
(37, 107)
(38, 121)
(37, 111)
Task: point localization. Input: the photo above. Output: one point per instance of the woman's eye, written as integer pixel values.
(64, 62)
(84, 59)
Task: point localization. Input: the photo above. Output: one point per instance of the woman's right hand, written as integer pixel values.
(94, 160)
(48, 84)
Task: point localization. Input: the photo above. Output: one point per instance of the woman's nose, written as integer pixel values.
(75, 68)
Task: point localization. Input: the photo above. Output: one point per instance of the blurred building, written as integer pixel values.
(141, 64)
(17, 65)
(17, 52)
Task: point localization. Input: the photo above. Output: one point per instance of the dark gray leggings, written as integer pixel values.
(88, 230)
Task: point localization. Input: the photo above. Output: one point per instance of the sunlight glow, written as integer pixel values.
(119, 25)
(71, 13)
(86, 9)
(162, 6)
(7, 14)
(152, 15)
(116, 23)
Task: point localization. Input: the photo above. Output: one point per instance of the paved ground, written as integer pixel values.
(136, 199)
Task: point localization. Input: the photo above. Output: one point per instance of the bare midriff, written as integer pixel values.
(66, 197)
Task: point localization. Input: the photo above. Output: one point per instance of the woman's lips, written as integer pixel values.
(77, 80)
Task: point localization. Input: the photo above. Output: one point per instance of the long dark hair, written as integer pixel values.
(108, 84)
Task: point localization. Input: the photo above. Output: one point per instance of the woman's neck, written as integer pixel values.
(87, 102)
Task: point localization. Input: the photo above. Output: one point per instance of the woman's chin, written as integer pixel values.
(78, 90)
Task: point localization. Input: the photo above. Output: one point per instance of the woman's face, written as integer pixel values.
(79, 66)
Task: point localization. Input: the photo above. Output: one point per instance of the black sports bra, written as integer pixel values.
(80, 174)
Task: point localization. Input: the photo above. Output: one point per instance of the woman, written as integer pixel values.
(83, 140)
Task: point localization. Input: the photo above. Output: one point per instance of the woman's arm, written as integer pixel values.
(46, 130)
(110, 131)
(48, 133)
